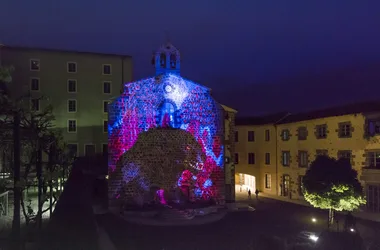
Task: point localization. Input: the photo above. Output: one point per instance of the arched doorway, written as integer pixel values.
(244, 183)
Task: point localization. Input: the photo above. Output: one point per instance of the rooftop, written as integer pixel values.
(7, 47)
(283, 118)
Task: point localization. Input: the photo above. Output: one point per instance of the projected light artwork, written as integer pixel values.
(166, 131)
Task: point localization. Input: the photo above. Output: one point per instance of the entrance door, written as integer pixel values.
(285, 185)
(89, 150)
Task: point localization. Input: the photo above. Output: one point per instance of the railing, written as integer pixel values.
(4, 203)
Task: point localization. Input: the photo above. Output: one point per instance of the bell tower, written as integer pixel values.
(167, 60)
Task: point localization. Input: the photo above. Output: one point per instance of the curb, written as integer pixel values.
(200, 220)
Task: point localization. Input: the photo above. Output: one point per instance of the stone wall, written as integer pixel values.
(142, 125)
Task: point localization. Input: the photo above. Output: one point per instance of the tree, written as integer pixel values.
(332, 184)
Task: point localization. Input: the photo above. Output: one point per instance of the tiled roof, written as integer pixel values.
(283, 118)
(6, 47)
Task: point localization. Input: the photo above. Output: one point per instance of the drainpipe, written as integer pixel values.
(275, 130)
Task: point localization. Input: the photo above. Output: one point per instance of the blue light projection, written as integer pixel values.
(169, 101)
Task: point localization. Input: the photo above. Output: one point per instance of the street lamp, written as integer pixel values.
(314, 220)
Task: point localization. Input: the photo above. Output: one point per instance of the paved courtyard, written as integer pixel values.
(272, 221)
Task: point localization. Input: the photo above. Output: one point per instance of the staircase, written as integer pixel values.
(171, 214)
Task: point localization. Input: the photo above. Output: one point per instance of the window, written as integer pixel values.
(302, 133)
(285, 158)
(303, 159)
(72, 67)
(34, 84)
(71, 106)
(89, 150)
(105, 126)
(267, 158)
(300, 185)
(373, 198)
(163, 60)
(251, 135)
(285, 134)
(268, 181)
(107, 69)
(105, 106)
(35, 105)
(345, 130)
(345, 154)
(236, 136)
(322, 152)
(72, 126)
(251, 158)
(285, 189)
(72, 86)
(321, 131)
(106, 87)
(173, 60)
(373, 159)
(105, 149)
(35, 64)
(373, 127)
(73, 149)
(267, 135)
(236, 158)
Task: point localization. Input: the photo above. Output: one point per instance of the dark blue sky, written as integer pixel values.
(258, 56)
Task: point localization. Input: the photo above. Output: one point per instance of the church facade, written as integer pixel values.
(169, 139)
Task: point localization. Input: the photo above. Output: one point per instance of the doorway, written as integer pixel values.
(286, 185)
(246, 182)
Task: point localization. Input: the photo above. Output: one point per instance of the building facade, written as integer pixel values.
(167, 139)
(78, 85)
(276, 151)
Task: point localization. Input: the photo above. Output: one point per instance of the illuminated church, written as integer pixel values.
(169, 140)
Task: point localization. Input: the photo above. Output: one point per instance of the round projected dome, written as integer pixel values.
(168, 88)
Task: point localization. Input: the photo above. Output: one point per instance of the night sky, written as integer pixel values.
(258, 56)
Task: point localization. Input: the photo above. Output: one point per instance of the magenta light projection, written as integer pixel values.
(172, 102)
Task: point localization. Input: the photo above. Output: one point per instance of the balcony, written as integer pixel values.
(370, 174)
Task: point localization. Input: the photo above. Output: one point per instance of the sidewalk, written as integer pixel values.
(359, 214)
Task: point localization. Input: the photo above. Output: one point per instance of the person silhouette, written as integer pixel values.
(249, 193)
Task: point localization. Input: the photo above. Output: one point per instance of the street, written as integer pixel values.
(273, 221)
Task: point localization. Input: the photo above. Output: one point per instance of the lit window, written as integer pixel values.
(35, 64)
(303, 160)
(285, 158)
(268, 181)
(285, 135)
(345, 130)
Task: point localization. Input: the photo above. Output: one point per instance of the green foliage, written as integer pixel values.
(5, 74)
(332, 184)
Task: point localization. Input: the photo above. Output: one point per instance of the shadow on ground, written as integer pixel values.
(73, 224)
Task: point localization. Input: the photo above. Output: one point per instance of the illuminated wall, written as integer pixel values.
(152, 110)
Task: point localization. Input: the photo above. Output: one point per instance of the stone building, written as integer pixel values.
(167, 139)
(273, 152)
(78, 85)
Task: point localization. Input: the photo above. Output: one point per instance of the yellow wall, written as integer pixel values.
(259, 147)
(358, 143)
